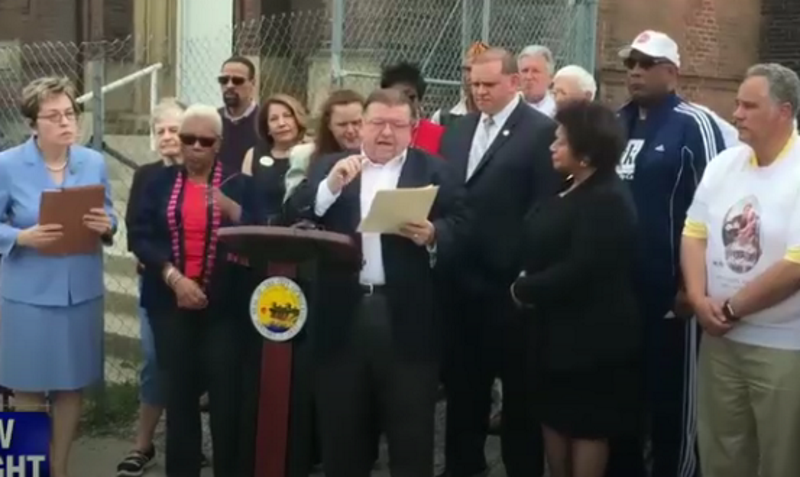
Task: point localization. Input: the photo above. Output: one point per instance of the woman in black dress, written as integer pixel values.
(281, 126)
(576, 293)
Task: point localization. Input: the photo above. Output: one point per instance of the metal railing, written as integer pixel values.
(305, 54)
(152, 72)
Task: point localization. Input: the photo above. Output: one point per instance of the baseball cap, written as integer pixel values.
(655, 45)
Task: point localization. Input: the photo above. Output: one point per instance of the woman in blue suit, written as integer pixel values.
(52, 307)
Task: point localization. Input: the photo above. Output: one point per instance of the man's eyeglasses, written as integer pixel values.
(57, 116)
(380, 124)
(191, 140)
(235, 80)
(643, 63)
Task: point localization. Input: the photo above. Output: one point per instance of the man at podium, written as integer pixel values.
(377, 344)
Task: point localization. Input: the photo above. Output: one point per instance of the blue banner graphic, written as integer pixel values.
(24, 444)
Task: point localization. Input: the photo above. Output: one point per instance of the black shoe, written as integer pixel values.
(136, 462)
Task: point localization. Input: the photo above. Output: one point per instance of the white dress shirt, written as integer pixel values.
(374, 177)
(546, 105)
(485, 134)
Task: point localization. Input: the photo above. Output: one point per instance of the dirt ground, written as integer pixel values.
(98, 457)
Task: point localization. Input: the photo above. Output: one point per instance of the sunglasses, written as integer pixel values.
(224, 80)
(191, 140)
(643, 63)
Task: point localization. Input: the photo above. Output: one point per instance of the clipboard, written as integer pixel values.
(67, 207)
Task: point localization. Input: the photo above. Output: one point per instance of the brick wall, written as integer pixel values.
(780, 33)
(716, 44)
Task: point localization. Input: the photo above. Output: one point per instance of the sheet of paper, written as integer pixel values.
(394, 207)
(67, 207)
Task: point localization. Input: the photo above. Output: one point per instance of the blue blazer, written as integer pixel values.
(150, 237)
(29, 276)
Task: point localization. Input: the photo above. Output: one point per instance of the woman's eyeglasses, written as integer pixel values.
(56, 117)
(235, 80)
(191, 140)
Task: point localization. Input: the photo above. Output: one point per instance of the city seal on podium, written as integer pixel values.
(278, 309)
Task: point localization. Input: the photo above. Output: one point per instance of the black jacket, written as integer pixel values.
(150, 236)
(515, 172)
(408, 267)
(578, 257)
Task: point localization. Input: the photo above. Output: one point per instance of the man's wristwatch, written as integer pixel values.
(729, 312)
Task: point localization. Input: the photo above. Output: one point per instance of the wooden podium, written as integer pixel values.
(291, 258)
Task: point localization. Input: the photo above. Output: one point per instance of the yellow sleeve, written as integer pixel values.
(793, 255)
(695, 229)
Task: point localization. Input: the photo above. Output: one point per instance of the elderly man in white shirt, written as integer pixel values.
(572, 83)
(536, 67)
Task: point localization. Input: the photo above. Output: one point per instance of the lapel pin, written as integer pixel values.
(266, 161)
(505, 132)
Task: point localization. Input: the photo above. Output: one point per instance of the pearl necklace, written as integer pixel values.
(57, 168)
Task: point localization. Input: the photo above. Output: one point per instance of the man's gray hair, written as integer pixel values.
(165, 108)
(206, 113)
(585, 80)
(539, 50)
(40, 90)
(784, 84)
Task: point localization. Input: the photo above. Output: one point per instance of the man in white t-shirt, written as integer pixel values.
(741, 266)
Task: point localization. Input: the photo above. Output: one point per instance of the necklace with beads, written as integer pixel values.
(57, 168)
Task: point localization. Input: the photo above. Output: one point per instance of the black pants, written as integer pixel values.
(368, 375)
(197, 348)
(671, 362)
(485, 339)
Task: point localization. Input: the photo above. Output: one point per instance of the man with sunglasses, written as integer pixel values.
(240, 113)
(670, 142)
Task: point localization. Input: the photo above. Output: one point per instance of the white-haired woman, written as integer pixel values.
(52, 331)
(573, 83)
(189, 289)
(165, 123)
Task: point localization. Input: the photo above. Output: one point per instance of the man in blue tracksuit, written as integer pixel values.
(669, 143)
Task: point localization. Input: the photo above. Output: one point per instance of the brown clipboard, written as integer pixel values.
(67, 207)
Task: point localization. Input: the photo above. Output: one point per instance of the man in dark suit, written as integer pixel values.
(502, 154)
(377, 337)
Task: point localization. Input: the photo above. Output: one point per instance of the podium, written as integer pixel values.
(279, 310)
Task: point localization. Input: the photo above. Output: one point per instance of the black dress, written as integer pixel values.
(578, 294)
(269, 175)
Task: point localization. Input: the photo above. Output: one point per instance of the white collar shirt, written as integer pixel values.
(374, 177)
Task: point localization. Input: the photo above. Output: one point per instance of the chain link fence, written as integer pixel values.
(306, 54)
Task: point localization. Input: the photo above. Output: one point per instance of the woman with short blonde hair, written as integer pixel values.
(52, 306)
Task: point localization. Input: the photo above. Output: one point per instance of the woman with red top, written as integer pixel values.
(407, 78)
(190, 290)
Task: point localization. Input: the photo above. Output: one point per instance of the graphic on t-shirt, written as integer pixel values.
(741, 235)
(627, 164)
